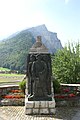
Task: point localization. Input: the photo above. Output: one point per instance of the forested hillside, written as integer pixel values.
(13, 51)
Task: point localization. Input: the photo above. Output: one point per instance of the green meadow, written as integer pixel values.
(4, 69)
(10, 78)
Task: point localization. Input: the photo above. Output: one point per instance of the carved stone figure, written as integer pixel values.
(39, 72)
(39, 85)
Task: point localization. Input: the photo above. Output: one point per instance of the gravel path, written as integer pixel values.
(17, 113)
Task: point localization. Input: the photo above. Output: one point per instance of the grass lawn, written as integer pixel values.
(4, 69)
(12, 75)
(11, 78)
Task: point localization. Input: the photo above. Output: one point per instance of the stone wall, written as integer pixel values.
(6, 88)
(14, 102)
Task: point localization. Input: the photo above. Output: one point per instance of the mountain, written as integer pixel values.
(14, 49)
(49, 39)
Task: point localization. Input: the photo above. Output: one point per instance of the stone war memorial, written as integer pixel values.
(39, 89)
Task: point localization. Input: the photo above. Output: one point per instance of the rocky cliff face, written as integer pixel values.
(48, 38)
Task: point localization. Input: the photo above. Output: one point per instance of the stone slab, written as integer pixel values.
(53, 111)
(36, 104)
(44, 111)
(51, 104)
(40, 107)
(44, 104)
(29, 104)
(35, 111)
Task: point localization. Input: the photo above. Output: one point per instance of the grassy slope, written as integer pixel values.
(11, 78)
(4, 69)
(13, 51)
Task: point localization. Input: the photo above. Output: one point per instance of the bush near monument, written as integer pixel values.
(56, 86)
(22, 85)
(66, 64)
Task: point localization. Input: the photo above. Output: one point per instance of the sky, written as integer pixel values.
(60, 16)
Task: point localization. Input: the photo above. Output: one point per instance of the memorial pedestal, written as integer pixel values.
(39, 107)
(39, 96)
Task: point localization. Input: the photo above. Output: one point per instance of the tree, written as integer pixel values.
(66, 64)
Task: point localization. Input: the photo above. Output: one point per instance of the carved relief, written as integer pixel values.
(39, 72)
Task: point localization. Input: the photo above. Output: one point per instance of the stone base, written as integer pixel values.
(39, 107)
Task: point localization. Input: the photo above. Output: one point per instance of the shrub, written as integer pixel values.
(66, 64)
(22, 85)
(56, 86)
